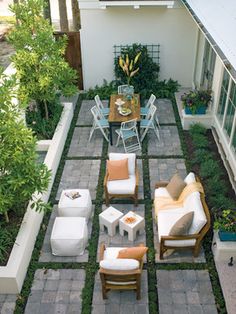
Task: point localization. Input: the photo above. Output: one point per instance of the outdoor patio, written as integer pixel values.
(60, 290)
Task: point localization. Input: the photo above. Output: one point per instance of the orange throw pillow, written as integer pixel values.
(133, 252)
(118, 169)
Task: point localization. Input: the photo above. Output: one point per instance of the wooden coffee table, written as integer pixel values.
(115, 118)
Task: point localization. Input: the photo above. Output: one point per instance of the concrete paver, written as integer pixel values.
(61, 293)
(176, 296)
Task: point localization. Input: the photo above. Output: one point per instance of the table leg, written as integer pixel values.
(138, 125)
(110, 133)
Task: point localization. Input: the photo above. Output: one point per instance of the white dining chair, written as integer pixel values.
(99, 122)
(129, 134)
(105, 111)
(123, 89)
(149, 123)
(144, 110)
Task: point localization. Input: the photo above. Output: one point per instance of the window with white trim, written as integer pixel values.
(208, 66)
(226, 112)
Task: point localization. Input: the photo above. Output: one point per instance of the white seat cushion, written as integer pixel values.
(122, 186)
(120, 264)
(131, 160)
(166, 220)
(162, 192)
(193, 203)
(190, 178)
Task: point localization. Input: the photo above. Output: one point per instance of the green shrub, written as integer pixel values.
(104, 91)
(7, 239)
(221, 201)
(21, 175)
(215, 185)
(43, 128)
(148, 69)
(197, 128)
(200, 140)
(209, 168)
(200, 155)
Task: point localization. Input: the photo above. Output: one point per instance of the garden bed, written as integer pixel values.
(12, 275)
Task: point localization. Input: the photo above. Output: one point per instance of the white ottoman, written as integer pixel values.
(110, 218)
(78, 207)
(69, 236)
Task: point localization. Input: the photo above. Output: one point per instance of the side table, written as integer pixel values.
(78, 207)
(110, 218)
(131, 228)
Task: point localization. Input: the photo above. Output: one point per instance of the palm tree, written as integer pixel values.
(75, 15)
(63, 16)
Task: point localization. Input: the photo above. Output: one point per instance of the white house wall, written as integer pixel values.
(173, 29)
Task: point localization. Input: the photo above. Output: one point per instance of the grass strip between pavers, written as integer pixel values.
(91, 267)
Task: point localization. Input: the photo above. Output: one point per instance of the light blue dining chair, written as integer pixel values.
(149, 123)
(99, 104)
(144, 110)
(99, 122)
(129, 134)
(125, 89)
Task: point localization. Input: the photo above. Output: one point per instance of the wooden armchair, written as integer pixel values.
(114, 279)
(123, 188)
(198, 237)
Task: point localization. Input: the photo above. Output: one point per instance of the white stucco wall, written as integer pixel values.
(173, 29)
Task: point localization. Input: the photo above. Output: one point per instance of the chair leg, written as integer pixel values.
(118, 140)
(91, 134)
(196, 250)
(138, 289)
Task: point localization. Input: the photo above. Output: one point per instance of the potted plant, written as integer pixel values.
(196, 101)
(225, 223)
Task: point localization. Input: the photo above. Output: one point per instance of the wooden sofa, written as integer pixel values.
(167, 218)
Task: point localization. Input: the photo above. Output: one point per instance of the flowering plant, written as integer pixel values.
(196, 99)
(225, 220)
(128, 66)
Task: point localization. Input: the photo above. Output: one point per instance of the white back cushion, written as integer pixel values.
(119, 264)
(190, 178)
(131, 160)
(193, 203)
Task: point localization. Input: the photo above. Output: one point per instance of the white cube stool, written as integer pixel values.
(131, 228)
(78, 207)
(110, 218)
(69, 236)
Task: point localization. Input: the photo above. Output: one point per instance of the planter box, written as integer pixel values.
(13, 274)
(188, 119)
(201, 110)
(223, 250)
(227, 236)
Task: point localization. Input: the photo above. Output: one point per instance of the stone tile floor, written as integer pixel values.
(185, 292)
(56, 291)
(59, 291)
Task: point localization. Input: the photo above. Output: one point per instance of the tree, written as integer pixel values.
(20, 174)
(63, 16)
(75, 15)
(41, 69)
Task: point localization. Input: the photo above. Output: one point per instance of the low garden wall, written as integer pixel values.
(13, 274)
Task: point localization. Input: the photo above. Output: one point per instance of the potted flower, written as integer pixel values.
(225, 223)
(196, 101)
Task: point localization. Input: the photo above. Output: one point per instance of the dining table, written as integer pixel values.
(115, 118)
